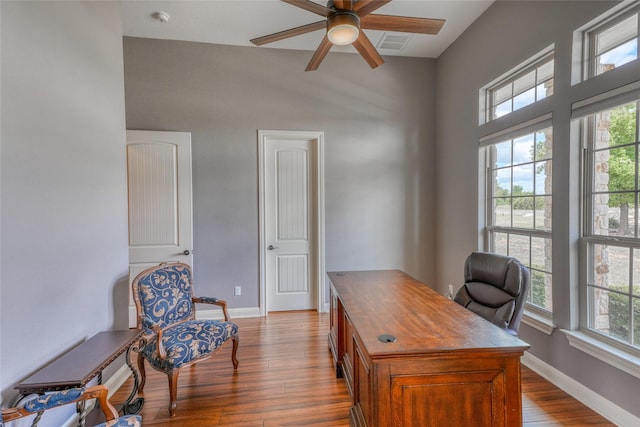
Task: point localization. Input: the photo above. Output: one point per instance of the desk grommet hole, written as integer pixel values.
(387, 338)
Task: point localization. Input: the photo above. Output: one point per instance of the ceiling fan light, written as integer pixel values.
(343, 28)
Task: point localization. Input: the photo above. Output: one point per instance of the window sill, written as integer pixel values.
(536, 321)
(609, 354)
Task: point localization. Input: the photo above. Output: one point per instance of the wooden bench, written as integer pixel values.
(86, 361)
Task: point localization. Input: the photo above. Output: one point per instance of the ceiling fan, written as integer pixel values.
(345, 20)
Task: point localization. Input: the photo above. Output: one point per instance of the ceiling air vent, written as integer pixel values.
(393, 41)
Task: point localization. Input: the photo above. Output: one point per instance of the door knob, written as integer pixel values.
(271, 247)
(186, 252)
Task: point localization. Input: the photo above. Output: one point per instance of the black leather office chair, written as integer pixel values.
(495, 287)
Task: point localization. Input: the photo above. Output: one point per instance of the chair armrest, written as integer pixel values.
(101, 393)
(157, 331)
(64, 397)
(205, 300)
(213, 301)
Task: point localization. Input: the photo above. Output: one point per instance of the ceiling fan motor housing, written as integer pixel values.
(343, 27)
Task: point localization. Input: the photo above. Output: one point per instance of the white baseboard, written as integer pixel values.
(234, 313)
(115, 381)
(72, 421)
(133, 316)
(588, 397)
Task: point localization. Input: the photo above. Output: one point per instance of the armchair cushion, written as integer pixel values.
(51, 400)
(188, 341)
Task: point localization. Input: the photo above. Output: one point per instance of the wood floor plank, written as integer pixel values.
(286, 378)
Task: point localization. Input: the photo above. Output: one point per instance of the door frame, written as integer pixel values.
(317, 169)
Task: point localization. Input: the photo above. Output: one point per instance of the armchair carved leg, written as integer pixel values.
(173, 391)
(234, 359)
(143, 375)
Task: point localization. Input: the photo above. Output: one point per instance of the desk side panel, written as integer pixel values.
(336, 336)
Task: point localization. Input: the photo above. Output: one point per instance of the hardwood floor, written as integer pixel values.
(286, 378)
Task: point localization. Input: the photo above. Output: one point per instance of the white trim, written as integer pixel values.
(72, 421)
(317, 138)
(321, 273)
(580, 58)
(609, 354)
(588, 397)
(536, 321)
(609, 99)
(262, 262)
(510, 76)
(133, 311)
(216, 314)
(119, 377)
(234, 313)
(516, 130)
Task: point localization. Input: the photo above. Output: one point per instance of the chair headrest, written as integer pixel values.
(501, 271)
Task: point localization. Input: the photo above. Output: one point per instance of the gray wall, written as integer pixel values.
(504, 36)
(394, 198)
(63, 176)
(379, 148)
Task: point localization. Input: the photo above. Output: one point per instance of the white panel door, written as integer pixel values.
(288, 224)
(160, 207)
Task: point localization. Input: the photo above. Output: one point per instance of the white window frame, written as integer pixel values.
(621, 355)
(535, 316)
(531, 64)
(584, 39)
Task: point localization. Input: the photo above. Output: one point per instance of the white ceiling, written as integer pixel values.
(235, 22)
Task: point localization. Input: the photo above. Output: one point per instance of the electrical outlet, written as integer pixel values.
(449, 293)
(238, 291)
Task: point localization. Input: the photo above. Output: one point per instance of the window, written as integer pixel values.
(519, 206)
(612, 228)
(611, 43)
(518, 165)
(530, 83)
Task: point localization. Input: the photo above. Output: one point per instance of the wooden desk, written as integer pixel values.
(448, 366)
(81, 364)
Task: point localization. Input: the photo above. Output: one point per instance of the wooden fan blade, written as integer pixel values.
(320, 25)
(368, 51)
(365, 7)
(402, 24)
(310, 6)
(320, 53)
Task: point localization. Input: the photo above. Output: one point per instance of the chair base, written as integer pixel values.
(172, 376)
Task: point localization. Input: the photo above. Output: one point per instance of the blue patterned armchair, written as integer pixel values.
(58, 398)
(174, 338)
